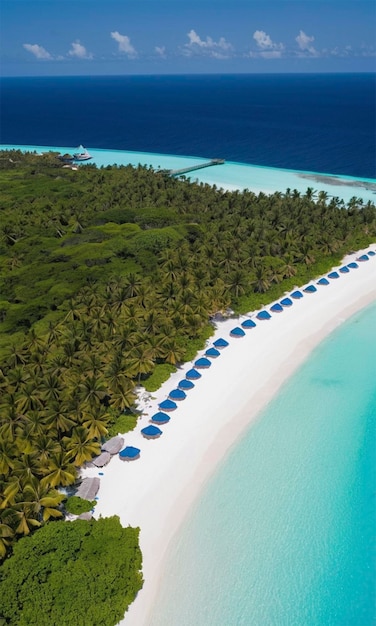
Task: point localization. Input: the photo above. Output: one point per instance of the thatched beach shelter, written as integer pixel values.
(113, 445)
(88, 488)
(102, 459)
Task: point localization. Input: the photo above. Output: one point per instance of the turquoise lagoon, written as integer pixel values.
(232, 175)
(283, 534)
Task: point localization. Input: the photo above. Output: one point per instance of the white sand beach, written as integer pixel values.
(156, 491)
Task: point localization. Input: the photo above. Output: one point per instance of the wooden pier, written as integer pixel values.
(192, 168)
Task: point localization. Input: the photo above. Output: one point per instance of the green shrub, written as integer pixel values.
(77, 505)
(161, 373)
(72, 574)
(123, 424)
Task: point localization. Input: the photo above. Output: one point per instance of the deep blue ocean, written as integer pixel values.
(321, 123)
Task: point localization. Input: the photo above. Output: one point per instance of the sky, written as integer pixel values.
(116, 37)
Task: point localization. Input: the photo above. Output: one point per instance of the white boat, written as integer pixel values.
(81, 154)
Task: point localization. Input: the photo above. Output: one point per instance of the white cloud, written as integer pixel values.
(267, 49)
(161, 51)
(79, 51)
(304, 42)
(124, 44)
(38, 51)
(220, 49)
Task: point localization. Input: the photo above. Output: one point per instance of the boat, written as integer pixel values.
(81, 154)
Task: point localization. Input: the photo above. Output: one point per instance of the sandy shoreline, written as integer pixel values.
(157, 491)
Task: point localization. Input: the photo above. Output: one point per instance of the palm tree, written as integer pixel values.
(60, 471)
(23, 520)
(29, 398)
(261, 283)
(139, 363)
(92, 390)
(122, 395)
(7, 455)
(96, 424)
(59, 416)
(80, 447)
(6, 534)
(237, 282)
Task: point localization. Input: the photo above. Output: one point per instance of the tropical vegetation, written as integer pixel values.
(78, 573)
(109, 279)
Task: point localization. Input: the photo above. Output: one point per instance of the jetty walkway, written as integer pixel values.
(192, 168)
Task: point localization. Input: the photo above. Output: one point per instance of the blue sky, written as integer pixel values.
(92, 37)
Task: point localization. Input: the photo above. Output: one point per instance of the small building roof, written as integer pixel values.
(113, 445)
(89, 488)
(102, 459)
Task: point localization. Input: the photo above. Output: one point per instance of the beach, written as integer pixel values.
(156, 491)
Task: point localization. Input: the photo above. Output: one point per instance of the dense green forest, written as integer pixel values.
(78, 573)
(108, 279)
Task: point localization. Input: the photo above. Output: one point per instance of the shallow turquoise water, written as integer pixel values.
(234, 175)
(284, 533)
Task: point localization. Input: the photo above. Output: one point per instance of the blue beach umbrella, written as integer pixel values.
(160, 418)
(151, 432)
(353, 265)
(202, 363)
(297, 295)
(344, 269)
(248, 324)
(185, 384)
(237, 332)
(213, 353)
(323, 281)
(129, 453)
(286, 302)
(167, 405)
(333, 275)
(362, 258)
(310, 289)
(263, 315)
(276, 308)
(177, 394)
(193, 375)
(220, 343)
(371, 253)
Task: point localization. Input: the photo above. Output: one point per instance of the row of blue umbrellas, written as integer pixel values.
(179, 394)
(152, 431)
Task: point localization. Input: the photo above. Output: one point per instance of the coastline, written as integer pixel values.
(157, 491)
(231, 176)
